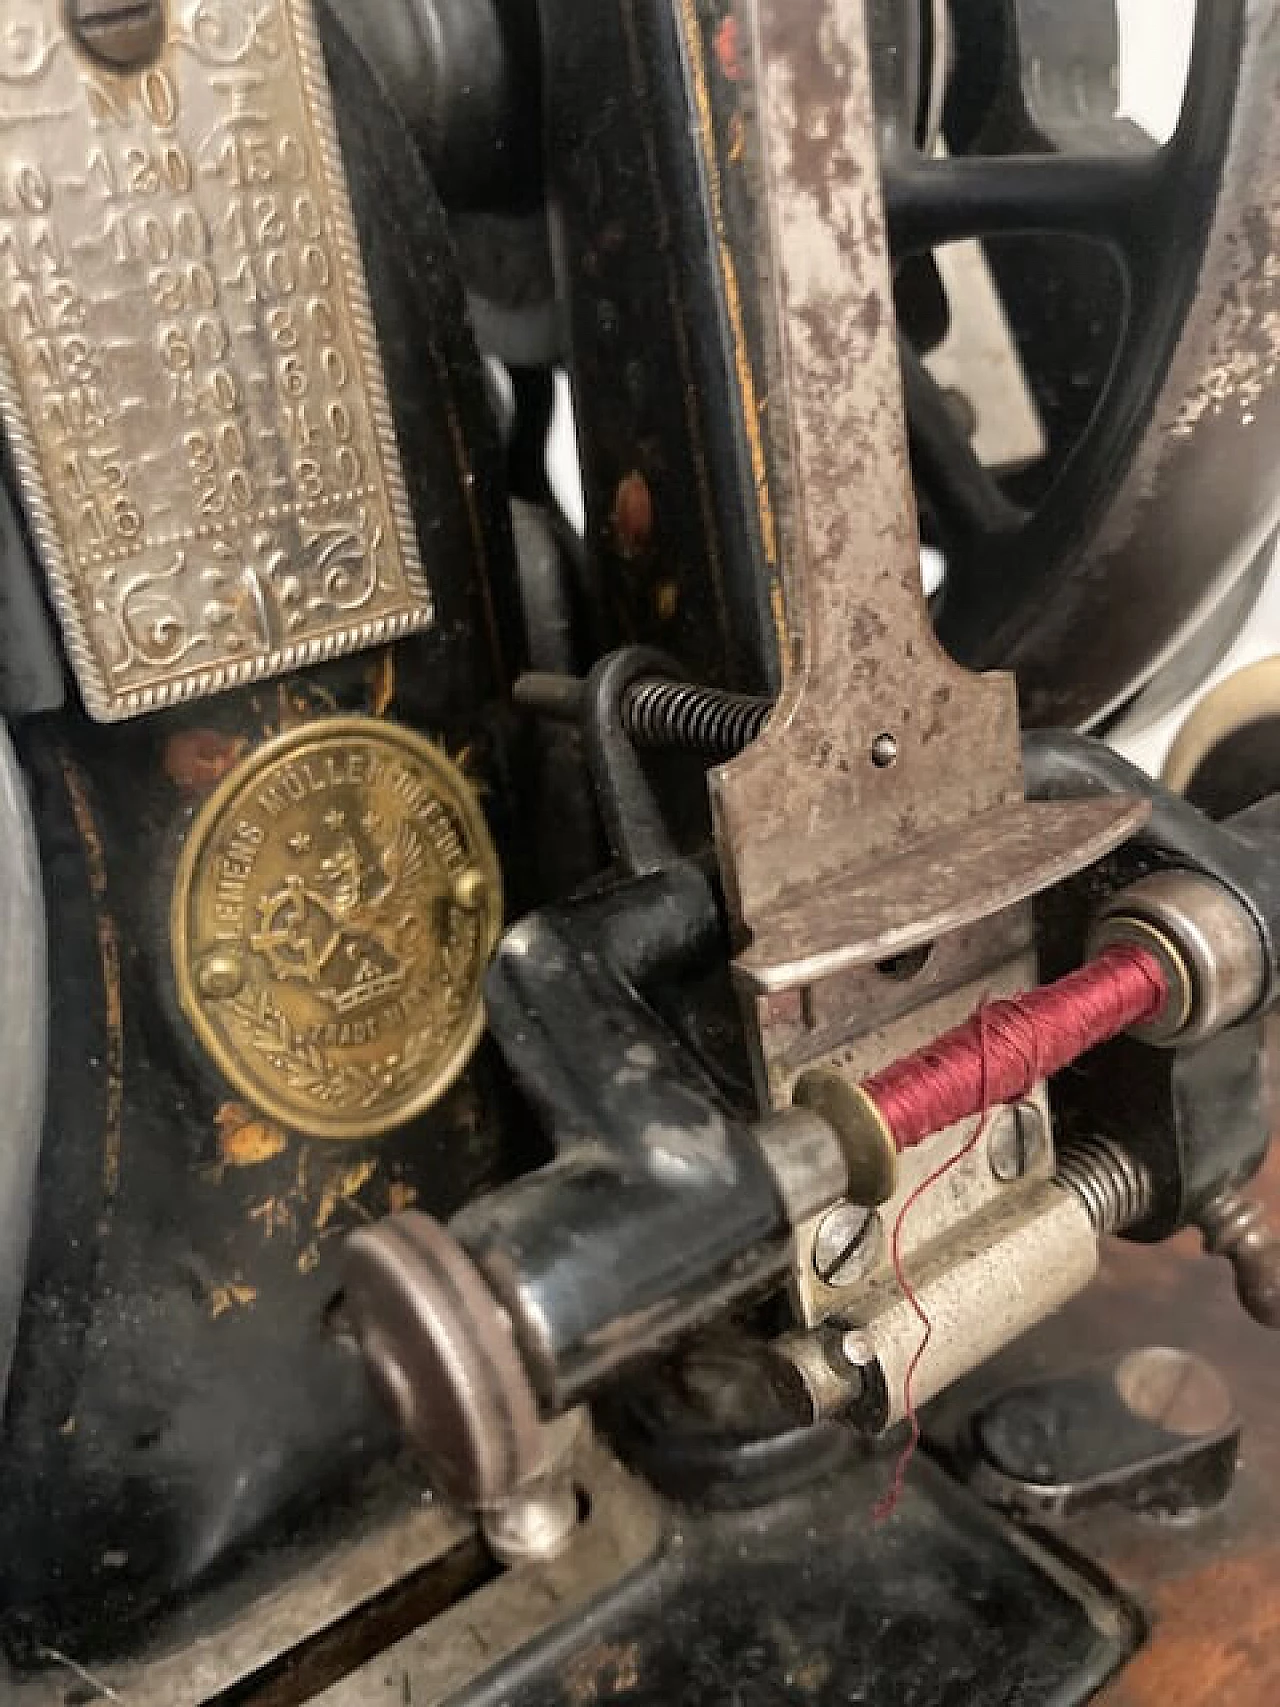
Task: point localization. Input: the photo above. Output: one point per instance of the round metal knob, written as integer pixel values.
(440, 1351)
(1236, 1227)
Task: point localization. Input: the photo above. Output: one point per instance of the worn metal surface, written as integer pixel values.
(858, 827)
(407, 1609)
(1213, 937)
(540, 1520)
(792, 809)
(1154, 1430)
(443, 1356)
(805, 1599)
(180, 238)
(659, 1210)
(207, 1656)
(622, 1529)
(334, 911)
(849, 1240)
(807, 1161)
(999, 1275)
(953, 879)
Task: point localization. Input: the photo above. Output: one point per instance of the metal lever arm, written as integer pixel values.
(659, 1207)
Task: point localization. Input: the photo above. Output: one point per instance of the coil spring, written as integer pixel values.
(1114, 1188)
(715, 725)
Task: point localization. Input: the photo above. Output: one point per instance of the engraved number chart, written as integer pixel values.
(190, 383)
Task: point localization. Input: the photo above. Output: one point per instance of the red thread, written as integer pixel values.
(1009, 1046)
(885, 1507)
(998, 1056)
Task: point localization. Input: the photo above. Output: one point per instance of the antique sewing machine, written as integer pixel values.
(484, 1212)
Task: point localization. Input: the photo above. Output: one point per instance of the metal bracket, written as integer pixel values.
(881, 745)
(879, 821)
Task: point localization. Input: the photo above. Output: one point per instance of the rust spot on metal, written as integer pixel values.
(245, 1138)
(633, 516)
(822, 68)
(727, 53)
(196, 760)
(602, 1673)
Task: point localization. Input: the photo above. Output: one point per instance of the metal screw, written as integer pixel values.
(1016, 1143)
(884, 752)
(858, 1349)
(853, 1357)
(470, 889)
(124, 34)
(1177, 1391)
(845, 1244)
(221, 976)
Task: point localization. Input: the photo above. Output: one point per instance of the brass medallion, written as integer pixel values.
(190, 381)
(336, 906)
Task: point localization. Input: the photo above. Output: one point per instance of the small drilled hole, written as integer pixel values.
(884, 751)
(902, 967)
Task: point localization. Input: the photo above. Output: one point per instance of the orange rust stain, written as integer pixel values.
(633, 514)
(109, 956)
(198, 759)
(727, 49)
(245, 1138)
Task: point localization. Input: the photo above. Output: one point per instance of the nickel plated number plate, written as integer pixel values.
(190, 382)
(336, 906)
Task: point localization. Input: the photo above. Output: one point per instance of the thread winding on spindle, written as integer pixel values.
(998, 1056)
(1002, 1053)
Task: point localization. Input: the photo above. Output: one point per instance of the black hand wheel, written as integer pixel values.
(1142, 287)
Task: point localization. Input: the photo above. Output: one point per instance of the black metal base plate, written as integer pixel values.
(808, 1600)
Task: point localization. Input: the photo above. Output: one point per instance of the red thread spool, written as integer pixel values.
(998, 1056)
(1004, 1051)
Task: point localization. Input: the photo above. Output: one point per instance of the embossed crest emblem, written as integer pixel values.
(336, 907)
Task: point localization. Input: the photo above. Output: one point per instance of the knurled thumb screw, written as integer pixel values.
(1236, 1227)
